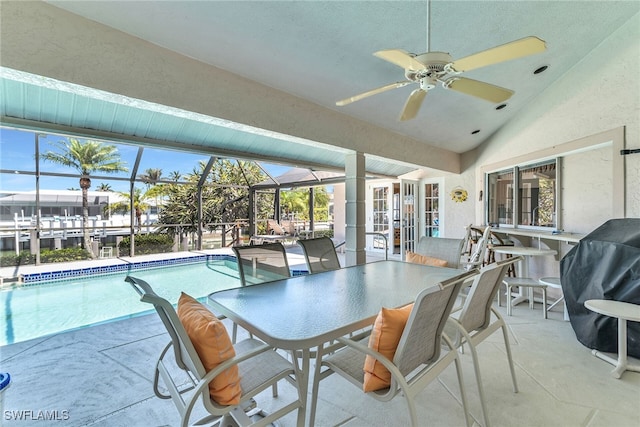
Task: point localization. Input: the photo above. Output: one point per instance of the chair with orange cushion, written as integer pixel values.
(224, 377)
(405, 351)
(441, 248)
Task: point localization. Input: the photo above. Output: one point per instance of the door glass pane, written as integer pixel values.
(432, 218)
(409, 215)
(380, 215)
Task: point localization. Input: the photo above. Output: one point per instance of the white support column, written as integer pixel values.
(355, 208)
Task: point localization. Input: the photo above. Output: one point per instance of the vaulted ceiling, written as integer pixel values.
(322, 51)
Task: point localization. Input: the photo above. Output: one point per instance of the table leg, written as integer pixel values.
(523, 271)
(313, 406)
(621, 363)
(622, 348)
(303, 384)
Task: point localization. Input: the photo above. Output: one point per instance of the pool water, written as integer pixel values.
(50, 307)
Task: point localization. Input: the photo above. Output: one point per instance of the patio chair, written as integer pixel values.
(258, 365)
(477, 257)
(274, 228)
(474, 232)
(441, 248)
(419, 356)
(320, 254)
(260, 264)
(472, 323)
(496, 241)
(466, 242)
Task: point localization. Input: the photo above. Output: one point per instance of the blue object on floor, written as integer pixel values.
(5, 378)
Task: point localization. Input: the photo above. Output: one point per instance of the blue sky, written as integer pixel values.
(17, 149)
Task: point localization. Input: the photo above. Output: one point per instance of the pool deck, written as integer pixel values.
(103, 375)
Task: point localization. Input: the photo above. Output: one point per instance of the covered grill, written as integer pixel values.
(603, 265)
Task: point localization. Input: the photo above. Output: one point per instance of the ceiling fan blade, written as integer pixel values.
(372, 92)
(515, 49)
(401, 58)
(413, 104)
(479, 89)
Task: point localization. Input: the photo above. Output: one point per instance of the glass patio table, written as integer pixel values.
(304, 312)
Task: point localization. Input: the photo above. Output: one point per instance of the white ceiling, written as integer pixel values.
(322, 50)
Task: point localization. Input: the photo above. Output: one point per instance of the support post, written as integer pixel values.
(355, 209)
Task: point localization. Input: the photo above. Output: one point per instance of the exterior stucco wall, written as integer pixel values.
(600, 94)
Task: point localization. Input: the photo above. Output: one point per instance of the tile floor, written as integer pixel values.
(102, 376)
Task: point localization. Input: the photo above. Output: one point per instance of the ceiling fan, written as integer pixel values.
(430, 68)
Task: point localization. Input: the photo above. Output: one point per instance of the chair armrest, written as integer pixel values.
(238, 358)
(393, 369)
(156, 375)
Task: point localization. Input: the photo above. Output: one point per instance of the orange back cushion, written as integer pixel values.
(424, 259)
(213, 345)
(384, 339)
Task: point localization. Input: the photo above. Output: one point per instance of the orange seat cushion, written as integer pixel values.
(384, 339)
(424, 259)
(213, 345)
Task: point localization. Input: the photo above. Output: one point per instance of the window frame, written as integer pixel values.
(514, 170)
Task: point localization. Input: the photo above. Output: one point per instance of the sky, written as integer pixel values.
(17, 153)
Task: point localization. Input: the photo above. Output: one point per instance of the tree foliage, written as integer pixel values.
(295, 203)
(140, 201)
(225, 195)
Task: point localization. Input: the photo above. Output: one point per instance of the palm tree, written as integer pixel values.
(86, 157)
(104, 187)
(295, 202)
(175, 176)
(140, 203)
(151, 176)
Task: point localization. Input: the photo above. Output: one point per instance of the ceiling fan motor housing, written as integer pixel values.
(434, 68)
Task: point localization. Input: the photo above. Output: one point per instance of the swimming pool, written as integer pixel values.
(51, 307)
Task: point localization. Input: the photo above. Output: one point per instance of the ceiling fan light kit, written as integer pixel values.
(430, 68)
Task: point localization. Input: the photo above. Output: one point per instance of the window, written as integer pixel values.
(533, 203)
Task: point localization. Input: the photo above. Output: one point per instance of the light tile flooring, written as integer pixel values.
(102, 376)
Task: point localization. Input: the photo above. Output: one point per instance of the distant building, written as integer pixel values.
(53, 204)
(60, 214)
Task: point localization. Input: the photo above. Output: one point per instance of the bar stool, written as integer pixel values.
(554, 282)
(623, 311)
(530, 284)
(497, 241)
(524, 281)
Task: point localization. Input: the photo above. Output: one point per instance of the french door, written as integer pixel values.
(410, 224)
(380, 218)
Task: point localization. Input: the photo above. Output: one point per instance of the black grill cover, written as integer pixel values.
(605, 264)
